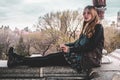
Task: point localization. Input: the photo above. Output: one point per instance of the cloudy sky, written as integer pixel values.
(22, 13)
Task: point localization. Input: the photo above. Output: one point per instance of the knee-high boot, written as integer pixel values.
(14, 59)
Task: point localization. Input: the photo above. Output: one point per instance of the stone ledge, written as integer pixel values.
(48, 73)
(110, 70)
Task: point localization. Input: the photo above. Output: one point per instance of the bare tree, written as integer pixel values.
(67, 22)
(43, 41)
(7, 37)
(57, 28)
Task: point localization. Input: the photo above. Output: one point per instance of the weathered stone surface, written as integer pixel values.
(19, 72)
(48, 73)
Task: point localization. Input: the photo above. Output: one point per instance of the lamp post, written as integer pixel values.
(100, 6)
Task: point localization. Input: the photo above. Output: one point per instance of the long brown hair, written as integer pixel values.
(90, 25)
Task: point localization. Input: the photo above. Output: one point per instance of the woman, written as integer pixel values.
(84, 53)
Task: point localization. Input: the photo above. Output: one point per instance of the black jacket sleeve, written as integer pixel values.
(72, 43)
(93, 41)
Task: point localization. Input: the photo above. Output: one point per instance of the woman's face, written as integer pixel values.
(87, 15)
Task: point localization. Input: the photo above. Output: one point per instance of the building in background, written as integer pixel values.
(100, 6)
(118, 19)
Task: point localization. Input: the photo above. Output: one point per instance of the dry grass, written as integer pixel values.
(112, 38)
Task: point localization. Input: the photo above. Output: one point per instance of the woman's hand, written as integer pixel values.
(64, 48)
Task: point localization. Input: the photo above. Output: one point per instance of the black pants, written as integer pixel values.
(55, 59)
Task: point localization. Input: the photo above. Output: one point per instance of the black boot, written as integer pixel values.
(14, 59)
(93, 74)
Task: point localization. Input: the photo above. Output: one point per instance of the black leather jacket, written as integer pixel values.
(97, 40)
(89, 48)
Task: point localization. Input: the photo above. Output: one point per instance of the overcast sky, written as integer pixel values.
(22, 13)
